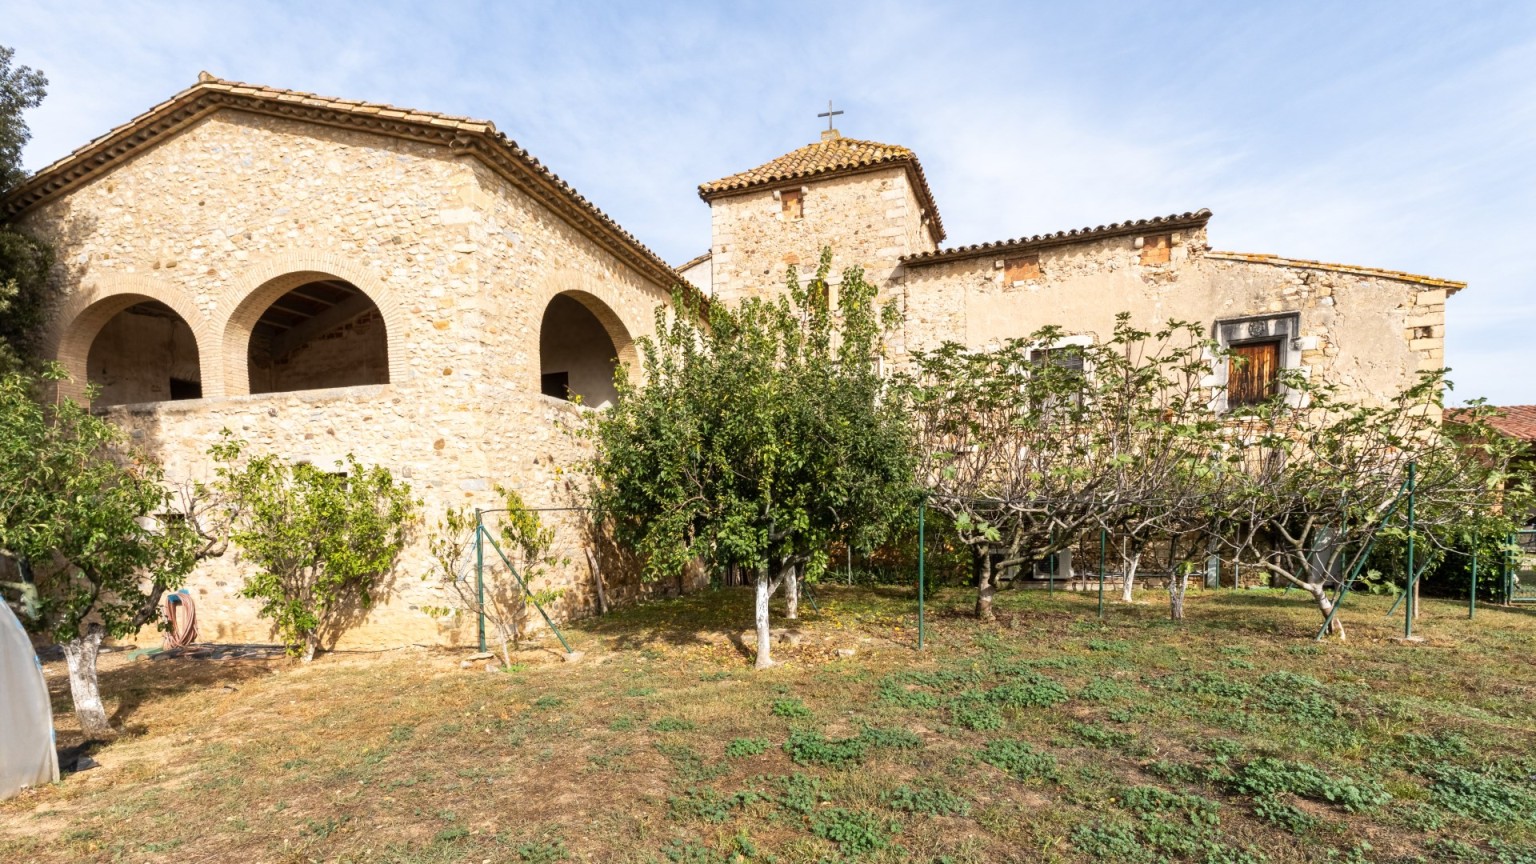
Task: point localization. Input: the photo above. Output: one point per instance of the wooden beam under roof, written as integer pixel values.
(300, 334)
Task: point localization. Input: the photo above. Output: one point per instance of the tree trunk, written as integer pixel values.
(765, 589)
(597, 579)
(1176, 588)
(1131, 563)
(792, 593)
(986, 589)
(311, 644)
(1325, 605)
(80, 657)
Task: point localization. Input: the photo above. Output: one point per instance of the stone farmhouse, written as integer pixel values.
(327, 276)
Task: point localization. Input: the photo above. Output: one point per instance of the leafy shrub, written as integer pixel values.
(1040, 692)
(1282, 815)
(807, 747)
(672, 724)
(1153, 801)
(895, 739)
(1106, 690)
(1107, 841)
(854, 831)
(1479, 796)
(930, 800)
(1097, 737)
(1267, 777)
(1019, 759)
(970, 710)
(798, 793)
(792, 709)
(740, 747)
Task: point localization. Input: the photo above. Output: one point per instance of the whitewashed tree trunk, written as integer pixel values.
(1325, 605)
(1127, 586)
(765, 589)
(792, 593)
(986, 589)
(80, 657)
(311, 644)
(1176, 588)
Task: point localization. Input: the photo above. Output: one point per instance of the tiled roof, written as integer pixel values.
(1516, 421)
(1451, 286)
(462, 135)
(831, 156)
(1077, 235)
(694, 261)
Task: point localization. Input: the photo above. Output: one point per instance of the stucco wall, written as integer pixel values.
(1357, 331)
(225, 217)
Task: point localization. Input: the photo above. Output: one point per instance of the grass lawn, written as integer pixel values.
(1047, 737)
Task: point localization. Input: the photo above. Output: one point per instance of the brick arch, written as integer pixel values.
(264, 282)
(78, 322)
(604, 301)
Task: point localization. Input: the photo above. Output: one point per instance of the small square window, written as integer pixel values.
(1021, 269)
(793, 205)
(1155, 249)
(1253, 373)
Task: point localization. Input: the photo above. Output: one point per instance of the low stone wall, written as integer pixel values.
(391, 426)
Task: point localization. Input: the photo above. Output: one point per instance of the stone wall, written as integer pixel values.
(352, 354)
(869, 219)
(1368, 333)
(225, 217)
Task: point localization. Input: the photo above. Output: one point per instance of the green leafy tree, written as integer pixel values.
(321, 541)
(1026, 446)
(758, 440)
(90, 526)
(24, 261)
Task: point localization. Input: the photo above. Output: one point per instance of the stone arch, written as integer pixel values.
(242, 306)
(603, 299)
(80, 320)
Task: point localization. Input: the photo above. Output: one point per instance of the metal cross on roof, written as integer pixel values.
(829, 114)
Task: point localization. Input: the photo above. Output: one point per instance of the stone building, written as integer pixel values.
(326, 276)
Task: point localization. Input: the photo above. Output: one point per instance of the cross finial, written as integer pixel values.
(829, 114)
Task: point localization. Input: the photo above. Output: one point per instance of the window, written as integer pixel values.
(1155, 249)
(792, 205)
(1253, 373)
(1259, 349)
(556, 384)
(1069, 358)
(1021, 269)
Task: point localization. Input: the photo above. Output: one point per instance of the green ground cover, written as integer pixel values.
(1048, 737)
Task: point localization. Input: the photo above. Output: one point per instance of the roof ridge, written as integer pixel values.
(1452, 285)
(1073, 235)
(461, 135)
(828, 157)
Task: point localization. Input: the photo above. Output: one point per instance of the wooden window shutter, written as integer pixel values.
(1021, 269)
(793, 205)
(1253, 373)
(1154, 249)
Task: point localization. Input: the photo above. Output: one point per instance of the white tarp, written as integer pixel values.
(27, 757)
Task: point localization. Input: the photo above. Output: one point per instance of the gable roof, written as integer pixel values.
(462, 135)
(831, 157)
(1516, 421)
(1195, 219)
(1451, 286)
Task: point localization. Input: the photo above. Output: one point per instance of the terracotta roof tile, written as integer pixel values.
(1516, 421)
(1192, 219)
(831, 156)
(476, 137)
(1450, 285)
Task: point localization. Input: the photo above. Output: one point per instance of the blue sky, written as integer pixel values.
(1389, 134)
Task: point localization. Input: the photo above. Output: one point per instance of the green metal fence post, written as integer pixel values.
(1472, 595)
(922, 505)
(1410, 607)
(480, 577)
(1051, 585)
(1102, 541)
(527, 592)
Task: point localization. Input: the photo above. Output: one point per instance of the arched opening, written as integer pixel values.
(324, 333)
(145, 353)
(577, 354)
